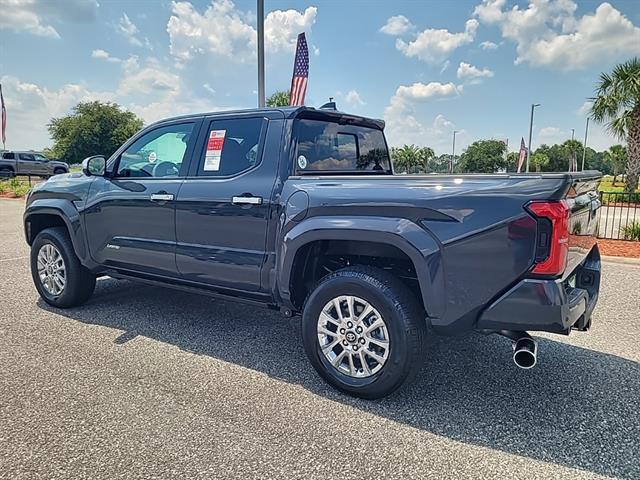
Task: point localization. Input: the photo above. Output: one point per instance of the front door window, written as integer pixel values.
(158, 153)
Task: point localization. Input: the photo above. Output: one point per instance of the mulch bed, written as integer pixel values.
(619, 248)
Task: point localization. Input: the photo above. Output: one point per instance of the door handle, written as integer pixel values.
(161, 197)
(246, 200)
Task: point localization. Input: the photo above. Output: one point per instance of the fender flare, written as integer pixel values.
(414, 241)
(65, 210)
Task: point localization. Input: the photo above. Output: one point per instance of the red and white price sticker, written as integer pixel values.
(214, 150)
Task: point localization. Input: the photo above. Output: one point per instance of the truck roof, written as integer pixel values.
(289, 112)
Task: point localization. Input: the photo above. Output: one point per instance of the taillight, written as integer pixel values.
(552, 242)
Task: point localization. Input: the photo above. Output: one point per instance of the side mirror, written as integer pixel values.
(95, 166)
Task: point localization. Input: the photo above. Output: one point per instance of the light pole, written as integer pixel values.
(573, 133)
(533, 106)
(261, 98)
(584, 147)
(453, 151)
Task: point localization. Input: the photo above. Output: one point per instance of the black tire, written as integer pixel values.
(402, 313)
(7, 173)
(59, 171)
(80, 282)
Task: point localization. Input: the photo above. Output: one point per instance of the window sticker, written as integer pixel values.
(214, 150)
(153, 157)
(302, 162)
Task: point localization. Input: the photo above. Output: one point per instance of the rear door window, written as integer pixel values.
(232, 146)
(9, 156)
(330, 147)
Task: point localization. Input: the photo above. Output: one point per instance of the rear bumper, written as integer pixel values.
(548, 305)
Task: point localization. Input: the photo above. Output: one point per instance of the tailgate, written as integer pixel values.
(584, 204)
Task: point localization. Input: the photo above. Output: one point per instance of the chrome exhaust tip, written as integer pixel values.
(525, 351)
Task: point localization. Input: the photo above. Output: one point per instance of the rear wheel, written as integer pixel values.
(7, 173)
(59, 277)
(364, 331)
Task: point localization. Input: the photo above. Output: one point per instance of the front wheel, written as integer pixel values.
(364, 331)
(59, 277)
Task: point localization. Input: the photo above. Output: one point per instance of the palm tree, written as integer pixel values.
(279, 98)
(405, 158)
(617, 155)
(539, 160)
(617, 104)
(425, 155)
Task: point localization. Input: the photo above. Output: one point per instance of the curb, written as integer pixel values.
(620, 260)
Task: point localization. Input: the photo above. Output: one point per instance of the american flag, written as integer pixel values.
(300, 72)
(523, 154)
(4, 119)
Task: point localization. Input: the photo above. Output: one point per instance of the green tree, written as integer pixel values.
(483, 156)
(617, 104)
(425, 156)
(405, 158)
(538, 160)
(617, 155)
(512, 161)
(93, 128)
(560, 155)
(279, 98)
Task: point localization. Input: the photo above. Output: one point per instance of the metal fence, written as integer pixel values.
(619, 216)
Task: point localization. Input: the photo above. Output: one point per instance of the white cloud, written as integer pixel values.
(584, 109)
(403, 126)
(353, 98)
(433, 45)
(30, 107)
(421, 91)
(104, 55)
(130, 31)
(150, 78)
(36, 16)
(281, 28)
(397, 25)
(550, 132)
(471, 74)
(487, 45)
(224, 31)
(549, 34)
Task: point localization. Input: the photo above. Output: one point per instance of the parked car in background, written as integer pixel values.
(14, 163)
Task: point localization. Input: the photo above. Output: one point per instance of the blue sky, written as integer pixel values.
(427, 68)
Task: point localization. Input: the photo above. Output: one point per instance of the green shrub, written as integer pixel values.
(631, 231)
(15, 187)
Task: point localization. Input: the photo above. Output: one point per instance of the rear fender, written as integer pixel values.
(414, 241)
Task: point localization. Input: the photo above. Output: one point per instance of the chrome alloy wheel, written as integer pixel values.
(51, 270)
(353, 336)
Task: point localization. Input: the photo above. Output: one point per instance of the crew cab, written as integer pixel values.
(14, 163)
(298, 209)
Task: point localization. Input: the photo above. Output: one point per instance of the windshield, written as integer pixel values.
(325, 146)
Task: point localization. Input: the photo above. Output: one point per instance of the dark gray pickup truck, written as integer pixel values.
(298, 209)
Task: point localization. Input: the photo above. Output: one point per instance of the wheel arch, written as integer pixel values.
(395, 236)
(59, 213)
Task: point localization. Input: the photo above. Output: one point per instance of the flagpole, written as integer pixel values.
(584, 147)
(533, 106)
(261, 96)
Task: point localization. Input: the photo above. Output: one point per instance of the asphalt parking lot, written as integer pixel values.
(145, 382)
